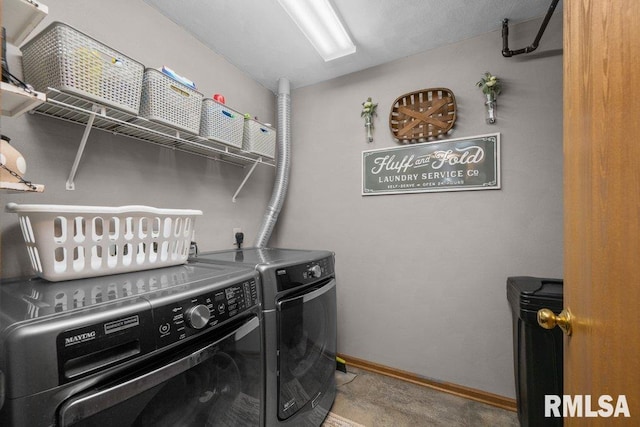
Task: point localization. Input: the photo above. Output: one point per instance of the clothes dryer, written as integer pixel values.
(299, 324)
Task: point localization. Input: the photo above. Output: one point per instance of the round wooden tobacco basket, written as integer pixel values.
(423, 114)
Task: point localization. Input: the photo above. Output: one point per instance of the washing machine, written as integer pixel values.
(299, 325)
(176, 346)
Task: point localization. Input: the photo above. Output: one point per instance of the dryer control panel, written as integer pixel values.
(302, 274)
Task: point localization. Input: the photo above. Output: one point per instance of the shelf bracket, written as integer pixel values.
(246, 178)
(83, 142)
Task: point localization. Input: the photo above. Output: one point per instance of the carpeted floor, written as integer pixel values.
(374, 400)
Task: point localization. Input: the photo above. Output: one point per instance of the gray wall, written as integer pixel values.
(421, 277)
(119, 171)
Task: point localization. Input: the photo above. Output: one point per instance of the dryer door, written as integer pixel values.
(307, 347)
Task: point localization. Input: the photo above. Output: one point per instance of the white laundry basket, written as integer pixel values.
(72, 242)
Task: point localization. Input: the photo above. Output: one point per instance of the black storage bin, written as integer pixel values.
(537, 352)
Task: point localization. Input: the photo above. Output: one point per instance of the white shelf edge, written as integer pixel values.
(21, 17)
(19, 186)
(17, 101)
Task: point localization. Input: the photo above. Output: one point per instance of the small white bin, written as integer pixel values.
(169, 102)
(259, 138)
(72, 242)
(221, 123)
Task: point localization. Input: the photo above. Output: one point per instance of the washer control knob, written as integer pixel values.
(315, 271)
(197, 316)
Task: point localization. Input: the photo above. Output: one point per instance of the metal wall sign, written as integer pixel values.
(461, 164)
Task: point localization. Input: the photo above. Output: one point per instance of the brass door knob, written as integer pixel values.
(548, 320)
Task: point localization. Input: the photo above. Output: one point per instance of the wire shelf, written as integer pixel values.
(77, 110)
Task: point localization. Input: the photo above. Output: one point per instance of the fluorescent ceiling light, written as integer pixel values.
(320, 24)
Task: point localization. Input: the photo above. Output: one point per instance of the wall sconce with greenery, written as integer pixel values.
(368, 111)
(491, 88)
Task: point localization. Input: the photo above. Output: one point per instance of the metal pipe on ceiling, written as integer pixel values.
(505, 34)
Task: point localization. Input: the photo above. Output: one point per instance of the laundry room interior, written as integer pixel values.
(420, 276)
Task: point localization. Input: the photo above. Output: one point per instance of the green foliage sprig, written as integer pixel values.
(369, 110)
(490, 84)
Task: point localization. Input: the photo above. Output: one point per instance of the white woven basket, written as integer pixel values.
(221, 123)
(72, 242)
(259, 138)
(167, 101)
(63, 58)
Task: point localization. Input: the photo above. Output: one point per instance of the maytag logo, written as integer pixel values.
(77, 339)
(585, 406)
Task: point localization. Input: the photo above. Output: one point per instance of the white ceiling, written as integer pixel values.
(258, 37)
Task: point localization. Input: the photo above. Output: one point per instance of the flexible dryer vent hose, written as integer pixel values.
(283, 165)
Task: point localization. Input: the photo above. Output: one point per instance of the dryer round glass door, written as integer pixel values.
(307, 347)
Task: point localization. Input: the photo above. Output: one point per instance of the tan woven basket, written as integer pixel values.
(424, 114)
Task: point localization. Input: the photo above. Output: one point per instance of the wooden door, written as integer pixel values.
(602, 202)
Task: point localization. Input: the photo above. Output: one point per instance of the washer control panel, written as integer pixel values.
(142, 328)
(182, 319)
(197, 316)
